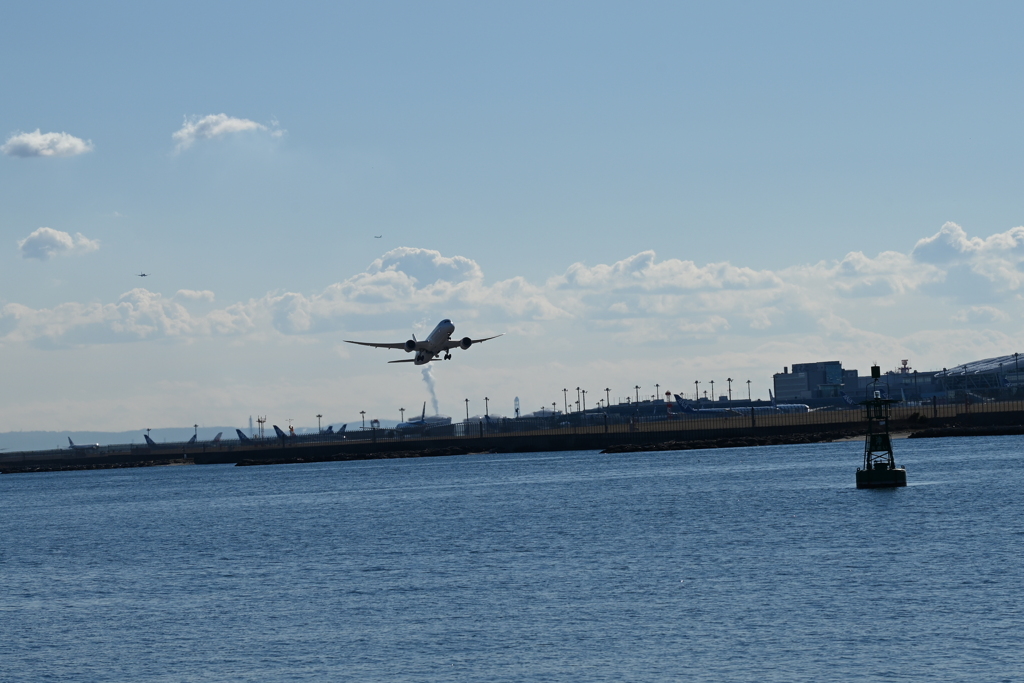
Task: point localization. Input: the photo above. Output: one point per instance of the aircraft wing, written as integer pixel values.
(400, 345)
(452, 343)
(404, 360)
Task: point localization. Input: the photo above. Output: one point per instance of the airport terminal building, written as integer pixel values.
(827, 382)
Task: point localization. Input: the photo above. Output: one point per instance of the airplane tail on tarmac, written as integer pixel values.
(149, 441)
(242, 437)
(682, 405)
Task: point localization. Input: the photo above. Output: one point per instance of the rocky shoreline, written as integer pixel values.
(734, 442)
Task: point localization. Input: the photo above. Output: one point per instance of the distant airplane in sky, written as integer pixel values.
(440, 339)
(377, 237)
(83, 447)
(143, 274)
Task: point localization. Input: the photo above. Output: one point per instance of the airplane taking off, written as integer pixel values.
(83, 447)
(440, 339)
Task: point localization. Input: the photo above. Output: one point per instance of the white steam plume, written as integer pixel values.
(428, 377)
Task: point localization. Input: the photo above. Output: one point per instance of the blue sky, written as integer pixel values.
(634, 195)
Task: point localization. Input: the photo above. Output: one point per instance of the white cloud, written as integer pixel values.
(215, 126)
(39, 144)
(195, 295)
(46, 242)
(855, 305)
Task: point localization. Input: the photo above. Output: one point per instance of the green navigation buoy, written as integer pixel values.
(879, 470)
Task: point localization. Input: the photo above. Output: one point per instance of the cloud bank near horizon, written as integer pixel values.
(951, 294)
(39, 144)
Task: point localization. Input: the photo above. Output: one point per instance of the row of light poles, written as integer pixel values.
(581, 398)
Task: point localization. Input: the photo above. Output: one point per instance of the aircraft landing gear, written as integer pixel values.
(447, 356)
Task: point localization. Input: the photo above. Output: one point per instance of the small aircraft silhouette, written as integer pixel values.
(377, 237)
(143, 274)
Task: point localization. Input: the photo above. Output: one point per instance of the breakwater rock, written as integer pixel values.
(71, 467)
(733, 442)
(940, 432)
(336, 457)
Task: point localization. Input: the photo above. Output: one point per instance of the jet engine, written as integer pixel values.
(465, 343)
(410, 345)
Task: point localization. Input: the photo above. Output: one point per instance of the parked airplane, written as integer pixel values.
(702, 412)
(241, 436)
(425, 420)
(83, 447)
(280, 433)
(440, 339)
(788, 407)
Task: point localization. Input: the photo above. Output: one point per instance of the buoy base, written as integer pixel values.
(881, 477)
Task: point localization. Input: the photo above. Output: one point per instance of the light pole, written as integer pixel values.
(487, 411)
(565, 397)
(318, 429)
(657, 391)
(729, 380)
(363, 414)
(467, 410)
(553, 404)
(712, 390)
(197, 431)
(577, 399)
(748, 392)
(637, 387)
(696, 390)
(584, 401)
(401, 411)
(607, 396)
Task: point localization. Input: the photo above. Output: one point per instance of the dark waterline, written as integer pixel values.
(740, 564)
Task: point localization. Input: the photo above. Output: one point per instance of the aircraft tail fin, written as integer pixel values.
(280, 433)
(149, 441)
(424, 415)
(682, 405)
(242, 437)
(216, 439)
(329, 430)
(193, 439)
(772, 397)
(71, 442)
(342, 430)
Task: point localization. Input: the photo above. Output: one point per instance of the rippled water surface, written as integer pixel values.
(742, 564)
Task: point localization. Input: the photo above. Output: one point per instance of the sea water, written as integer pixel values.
(757, 564)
